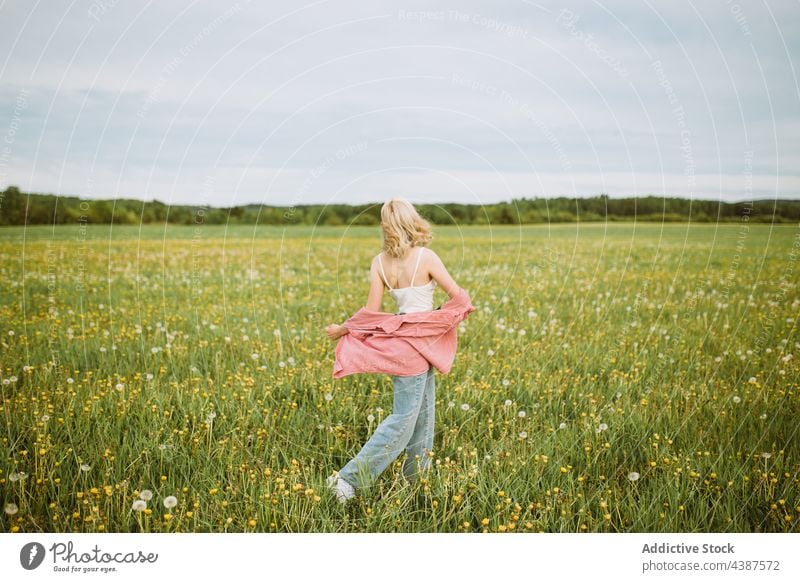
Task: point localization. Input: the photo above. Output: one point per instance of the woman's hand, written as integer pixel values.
(335, 331)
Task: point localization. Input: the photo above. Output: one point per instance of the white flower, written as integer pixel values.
(451, 404)
(45, 417)
(17, 476)
(523, 435)
(120, 387)
(603, 426)
(11, 508)
(752, 380)
(290, 360)
(490, 353)
(521, 414)
(766, 455)
(149, 376)
(86, 468)
(370, 417)
(146, 494)
(170, 502)
(281, 364)
(254, 356)
(210, 417)
(465, 407)
(763, 416)
(562, 425)
(139, 505)
(508, 403)
(736, 400)
(70, 381)
(633, 475)
(506, 382)
(328, 396)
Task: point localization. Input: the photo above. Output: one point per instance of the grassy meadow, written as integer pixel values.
(614, 378)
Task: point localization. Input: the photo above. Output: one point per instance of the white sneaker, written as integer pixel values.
(341, 488)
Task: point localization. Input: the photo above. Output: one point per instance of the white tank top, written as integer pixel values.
(411, 299)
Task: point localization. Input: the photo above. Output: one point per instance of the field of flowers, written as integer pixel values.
(615, 377)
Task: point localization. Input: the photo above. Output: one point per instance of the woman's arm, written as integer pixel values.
(374, 301)
(442, 277)
(375, 298)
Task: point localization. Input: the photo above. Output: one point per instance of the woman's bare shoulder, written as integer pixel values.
(432, 256)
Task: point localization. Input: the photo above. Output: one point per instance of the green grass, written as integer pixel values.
(623, 324)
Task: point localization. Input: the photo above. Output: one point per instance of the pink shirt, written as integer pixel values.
(401, 345)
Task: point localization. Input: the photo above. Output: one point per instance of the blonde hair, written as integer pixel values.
(403, 227)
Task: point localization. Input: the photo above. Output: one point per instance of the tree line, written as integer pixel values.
(18, 208)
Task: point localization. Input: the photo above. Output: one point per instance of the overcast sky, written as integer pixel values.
(211, 103)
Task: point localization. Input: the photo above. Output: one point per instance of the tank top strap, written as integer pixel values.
(419, 256)
(385, 280)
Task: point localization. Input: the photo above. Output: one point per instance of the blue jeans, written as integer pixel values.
(409, 427)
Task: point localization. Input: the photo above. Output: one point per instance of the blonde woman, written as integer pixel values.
(420, 338)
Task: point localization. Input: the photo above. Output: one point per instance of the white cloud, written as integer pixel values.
(181, 90)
